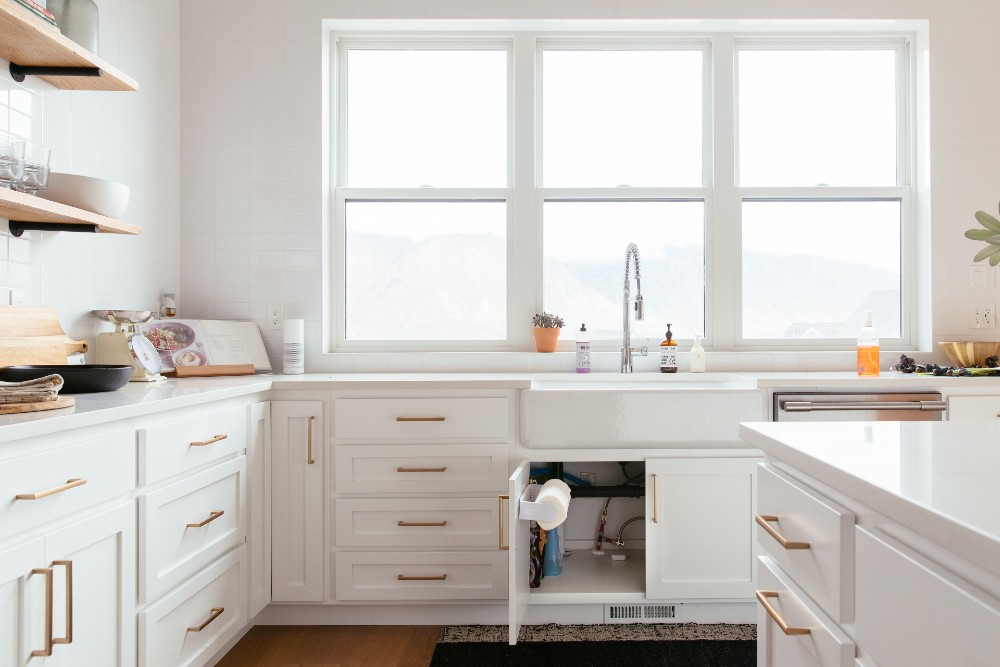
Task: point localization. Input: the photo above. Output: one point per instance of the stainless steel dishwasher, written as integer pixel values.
(852, 406)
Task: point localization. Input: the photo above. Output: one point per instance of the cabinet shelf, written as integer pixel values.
(21, 207)
(28, 42)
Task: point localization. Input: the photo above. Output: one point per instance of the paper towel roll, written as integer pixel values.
(556, 493)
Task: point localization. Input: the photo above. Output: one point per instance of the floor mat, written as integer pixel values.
(600, 632)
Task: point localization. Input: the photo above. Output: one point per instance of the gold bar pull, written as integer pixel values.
(762, 521)
(212, 516)
(500, 545)
(203, 443)
(309, 454)
(403, 577)
(656, 498)
(407, 524)
(762, 597)
(402, 469)
(70, 484)
(68, 639)
(47, 651)
(216, 612)
(420, 419)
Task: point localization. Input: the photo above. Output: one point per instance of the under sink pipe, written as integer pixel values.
(627, 350)
(617, 491)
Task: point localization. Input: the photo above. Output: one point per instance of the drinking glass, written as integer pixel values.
(11, 162)
(35, 175)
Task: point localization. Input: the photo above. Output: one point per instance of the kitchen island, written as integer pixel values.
(882, 540)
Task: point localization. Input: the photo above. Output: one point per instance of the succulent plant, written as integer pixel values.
(549, 321)
(990, 234)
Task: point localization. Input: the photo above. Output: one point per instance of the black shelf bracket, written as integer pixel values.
(18, 72)
(19, 227)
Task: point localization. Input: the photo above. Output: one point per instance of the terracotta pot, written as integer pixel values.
(546, 339)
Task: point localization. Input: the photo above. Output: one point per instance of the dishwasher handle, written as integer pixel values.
(810, 406)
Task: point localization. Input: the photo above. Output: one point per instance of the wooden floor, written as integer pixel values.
(334, 646)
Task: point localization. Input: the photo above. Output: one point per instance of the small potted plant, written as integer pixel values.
(546, 331)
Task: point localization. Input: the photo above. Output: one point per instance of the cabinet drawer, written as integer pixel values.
(49, 485)
(421, 419)
(188, 626)
(911, 613)
(422, 576)
(425, 468)
(824, 570)
(168, 449)
(973, 408)
(423, 522)
(825, 645)
(185, 525)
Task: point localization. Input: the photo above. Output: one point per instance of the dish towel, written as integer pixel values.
(31, 391)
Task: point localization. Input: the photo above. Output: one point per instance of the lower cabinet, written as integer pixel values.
(439, 575)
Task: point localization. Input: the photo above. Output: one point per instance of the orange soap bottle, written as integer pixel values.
(868, 348)
(668, 353)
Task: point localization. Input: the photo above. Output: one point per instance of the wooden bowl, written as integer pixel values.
(970, 354)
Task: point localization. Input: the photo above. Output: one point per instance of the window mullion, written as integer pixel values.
(523, 211)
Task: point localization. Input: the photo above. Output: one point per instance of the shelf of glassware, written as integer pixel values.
(27, 41)
(23, 207)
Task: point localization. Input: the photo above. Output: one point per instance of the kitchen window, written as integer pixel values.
(479, 178)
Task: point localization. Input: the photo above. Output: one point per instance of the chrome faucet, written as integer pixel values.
(627, 349)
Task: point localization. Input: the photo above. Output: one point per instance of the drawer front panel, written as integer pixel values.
(185, 525)
(428, 468)
(436, 522)
(56, 483)
(825, 571)
(826, 645)
(173, 632)
(422, 576)
(166, 450)
(421, 419)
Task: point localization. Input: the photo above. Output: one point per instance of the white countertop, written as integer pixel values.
(939, 479)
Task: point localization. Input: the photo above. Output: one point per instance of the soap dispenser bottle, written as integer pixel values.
(583, 350)
(868, 349)
(668, 353)
(697, 356)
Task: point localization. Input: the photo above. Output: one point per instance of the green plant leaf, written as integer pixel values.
(995, 259)
(978, 234)
(988, 251)
(988, 221)
(993, 240)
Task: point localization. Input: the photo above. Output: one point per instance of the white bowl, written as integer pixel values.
(91, 194)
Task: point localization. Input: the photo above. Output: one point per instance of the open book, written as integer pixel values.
(206, 343)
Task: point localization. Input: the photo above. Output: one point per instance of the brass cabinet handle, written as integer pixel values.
(216, 612)
(402, 469)
(420, 523)
(403, 577)
(217, 438)
(68, 639)
(500, 545)
(762, 521)
(212, 516)
(420, 419)
(656, 498)
(309, 453)
(47, 651)
(762, 597)
(70, 484)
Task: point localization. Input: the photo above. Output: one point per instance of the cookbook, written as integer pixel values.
(206, 343)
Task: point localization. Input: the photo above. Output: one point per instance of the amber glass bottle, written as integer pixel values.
(668, 353)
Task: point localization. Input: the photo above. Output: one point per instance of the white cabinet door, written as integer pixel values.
(699, 528)
(22, 603)
(258, 504)
(297, 501)
(519, 550)
(973, 408)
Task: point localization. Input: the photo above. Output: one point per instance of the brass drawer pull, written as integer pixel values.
(216, 612)
(203, 443)
(309, 446)
(403, 577)
(213, 515)
(420, 419)
(70, 484)
(500, 545)
(68, 639)
(402, 469)
(762, 521)
(407, 524)
(47, 651)
(656, 498)
(762, 597)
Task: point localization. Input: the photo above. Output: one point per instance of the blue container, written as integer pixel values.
(552, 562)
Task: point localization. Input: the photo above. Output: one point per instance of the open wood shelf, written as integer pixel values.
(28, 41)
(23, 207)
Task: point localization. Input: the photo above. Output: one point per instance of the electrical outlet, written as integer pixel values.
(982, 316)
(16, 297)
(274, 316)
(589, 477)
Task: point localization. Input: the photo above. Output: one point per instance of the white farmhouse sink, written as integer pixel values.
(601, 410)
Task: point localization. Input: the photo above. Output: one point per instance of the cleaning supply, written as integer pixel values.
(868, 348)
(697, 356)
(668, 353)
(552, 559)
(583, 350)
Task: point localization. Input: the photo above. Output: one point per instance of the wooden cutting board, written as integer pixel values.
(33, 335)
(18, 408)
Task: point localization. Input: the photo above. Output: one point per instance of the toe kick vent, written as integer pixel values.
(639, 613)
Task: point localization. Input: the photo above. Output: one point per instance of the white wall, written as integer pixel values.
(129, 137)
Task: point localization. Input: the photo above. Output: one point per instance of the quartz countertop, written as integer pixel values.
(939, 479)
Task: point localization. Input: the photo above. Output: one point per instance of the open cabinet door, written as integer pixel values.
(518, 539)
